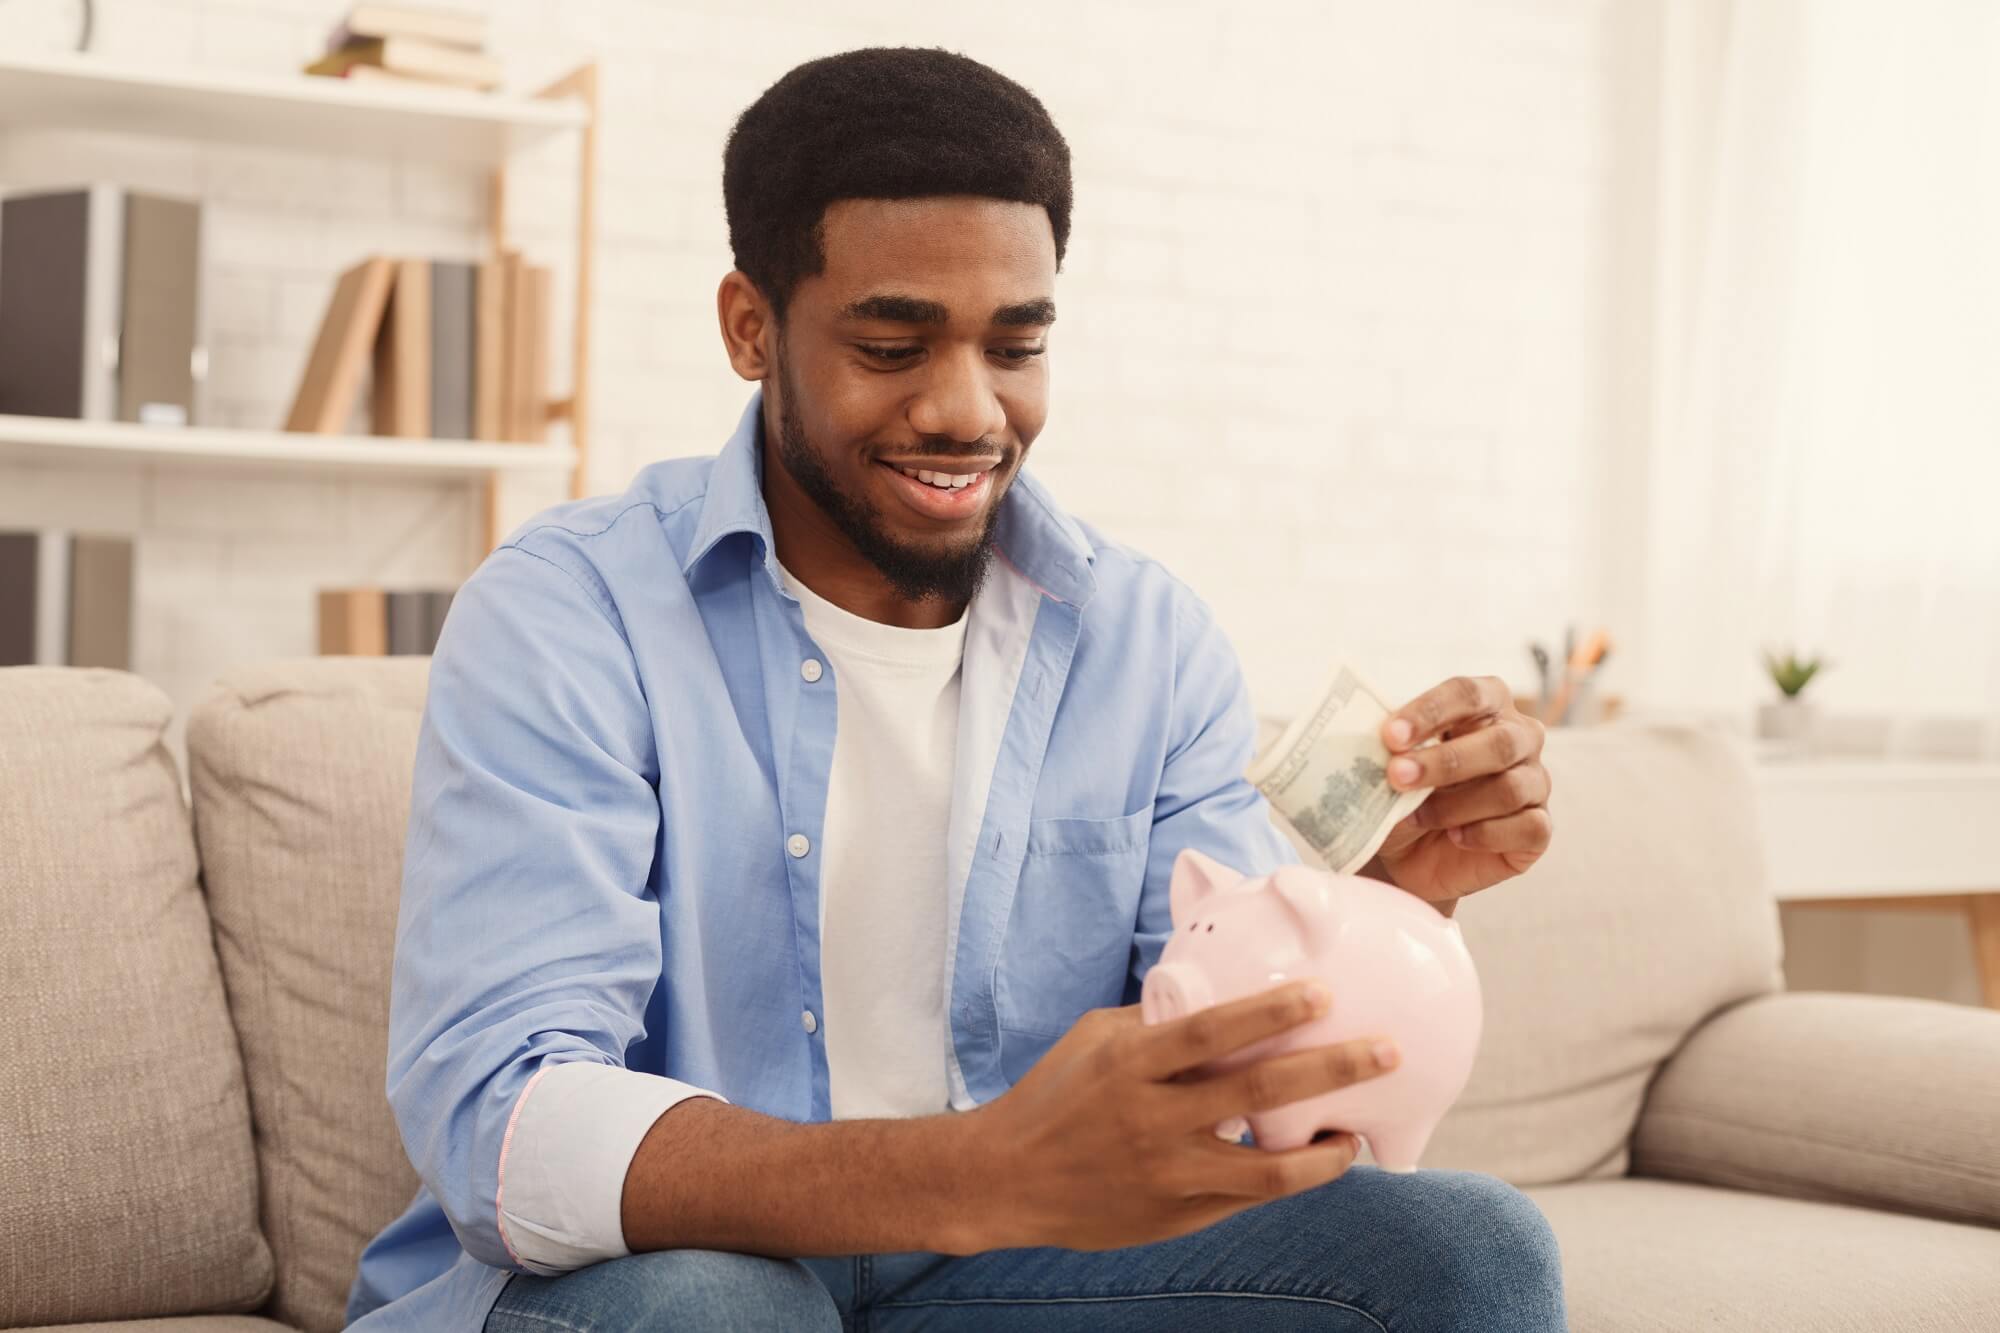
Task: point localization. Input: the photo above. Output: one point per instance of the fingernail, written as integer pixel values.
(1385, 1055)
(1458, 836)
(1319, 997)
(1399, 732)
(1403, 770)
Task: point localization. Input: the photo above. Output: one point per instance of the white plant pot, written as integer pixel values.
(1789, 721)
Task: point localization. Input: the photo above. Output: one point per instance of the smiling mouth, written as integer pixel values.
(955, 491)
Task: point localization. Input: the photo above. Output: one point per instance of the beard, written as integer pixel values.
(915, 572)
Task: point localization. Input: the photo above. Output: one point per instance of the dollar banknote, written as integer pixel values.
(1328, 774)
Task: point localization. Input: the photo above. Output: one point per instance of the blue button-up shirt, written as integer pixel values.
(618, 746)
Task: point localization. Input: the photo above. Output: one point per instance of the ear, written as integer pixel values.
(1196, 877)
(1308, 893)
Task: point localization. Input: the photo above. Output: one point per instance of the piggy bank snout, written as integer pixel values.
(1174, 990)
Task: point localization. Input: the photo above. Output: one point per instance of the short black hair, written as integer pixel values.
(880, 123)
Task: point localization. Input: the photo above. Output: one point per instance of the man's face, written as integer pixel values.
(920, 348)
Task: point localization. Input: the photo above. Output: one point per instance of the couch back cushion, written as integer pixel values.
(127, 1183)
(1648, 913)
(301, 780)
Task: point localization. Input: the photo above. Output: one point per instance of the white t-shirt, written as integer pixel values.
(884, 908)
(882, 892)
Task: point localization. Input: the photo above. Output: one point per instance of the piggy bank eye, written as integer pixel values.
(1211, 925)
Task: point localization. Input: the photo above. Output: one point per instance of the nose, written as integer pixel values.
(957, 401)
(1173, 990)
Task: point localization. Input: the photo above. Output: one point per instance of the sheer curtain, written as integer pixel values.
(1824, 468)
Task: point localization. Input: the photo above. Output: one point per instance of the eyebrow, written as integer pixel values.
(895, 309)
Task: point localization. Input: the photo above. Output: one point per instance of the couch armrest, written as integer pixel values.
(1863, 1099)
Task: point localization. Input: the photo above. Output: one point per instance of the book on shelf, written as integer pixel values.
(66, 599)
(415, 58)
(448, 27)
(526, 376)
(353, 622)
(402, 391)
(516, 344)
(437, 605)
(459, 351)
(379, 622)
(490, 350)
(541, 283)
(347, 333)
(407, 617)
(376, 74)
(514, 338)
(101, 319)
(454, 328)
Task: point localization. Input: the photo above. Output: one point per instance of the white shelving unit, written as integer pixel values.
(82, 92)
(72, 92)
(59, 440)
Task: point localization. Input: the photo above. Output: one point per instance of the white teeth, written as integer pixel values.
(941, 480)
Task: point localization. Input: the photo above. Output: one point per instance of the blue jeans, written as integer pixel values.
(1424, 1253)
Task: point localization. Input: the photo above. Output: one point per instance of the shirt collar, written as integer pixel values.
(1042, 543)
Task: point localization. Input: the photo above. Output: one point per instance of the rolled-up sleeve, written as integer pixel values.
(528, 940)
(1204, 801)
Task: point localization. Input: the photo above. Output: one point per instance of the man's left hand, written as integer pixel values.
(1488, 820)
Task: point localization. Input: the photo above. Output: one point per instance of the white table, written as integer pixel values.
(1889, 833)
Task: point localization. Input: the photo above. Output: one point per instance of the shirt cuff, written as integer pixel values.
(572, 1136)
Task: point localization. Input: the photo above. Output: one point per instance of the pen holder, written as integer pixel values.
(1587, 707)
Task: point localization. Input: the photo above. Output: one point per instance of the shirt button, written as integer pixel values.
(808, 1022)
(810, 669)
(798, 845)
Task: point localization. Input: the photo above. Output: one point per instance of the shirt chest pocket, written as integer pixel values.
(1069, 936)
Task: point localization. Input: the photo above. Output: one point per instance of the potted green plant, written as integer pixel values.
(1790, 718)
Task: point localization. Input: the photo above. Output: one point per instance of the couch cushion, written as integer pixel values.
(1648, 913)
(301, 778)
(127, 1183)
(1648, 1256)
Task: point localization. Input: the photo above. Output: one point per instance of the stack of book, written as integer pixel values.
(65, 600)
(460, 351)
(410, 44)
(374, 622)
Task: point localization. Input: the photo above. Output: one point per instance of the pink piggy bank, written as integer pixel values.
(1396, 968)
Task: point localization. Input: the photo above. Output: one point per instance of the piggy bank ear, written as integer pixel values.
(1308, 895)
(1197, 877)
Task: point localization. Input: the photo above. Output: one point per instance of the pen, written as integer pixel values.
(1595, 648)
(1541, 656)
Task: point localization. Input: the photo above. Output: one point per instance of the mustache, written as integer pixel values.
(980, 450)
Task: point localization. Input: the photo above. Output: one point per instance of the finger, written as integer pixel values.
(1491, 797)
(1493, 749)
(1256, 1173)
(1460, 699)
(1528, 831)
(1284, 1079)
(1207, 1034)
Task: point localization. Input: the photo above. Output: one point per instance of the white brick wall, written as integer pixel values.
(1337, 327)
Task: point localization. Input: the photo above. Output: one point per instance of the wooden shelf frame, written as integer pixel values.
(581, 85)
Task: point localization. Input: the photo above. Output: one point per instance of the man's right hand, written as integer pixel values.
(1110, 1139)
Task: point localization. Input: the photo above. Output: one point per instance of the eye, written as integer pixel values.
(1021, 355)
(889, 354)
(1211, 926)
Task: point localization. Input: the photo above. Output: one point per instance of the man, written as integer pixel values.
(791, 834)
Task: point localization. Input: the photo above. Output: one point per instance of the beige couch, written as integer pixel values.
(192, 1121)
